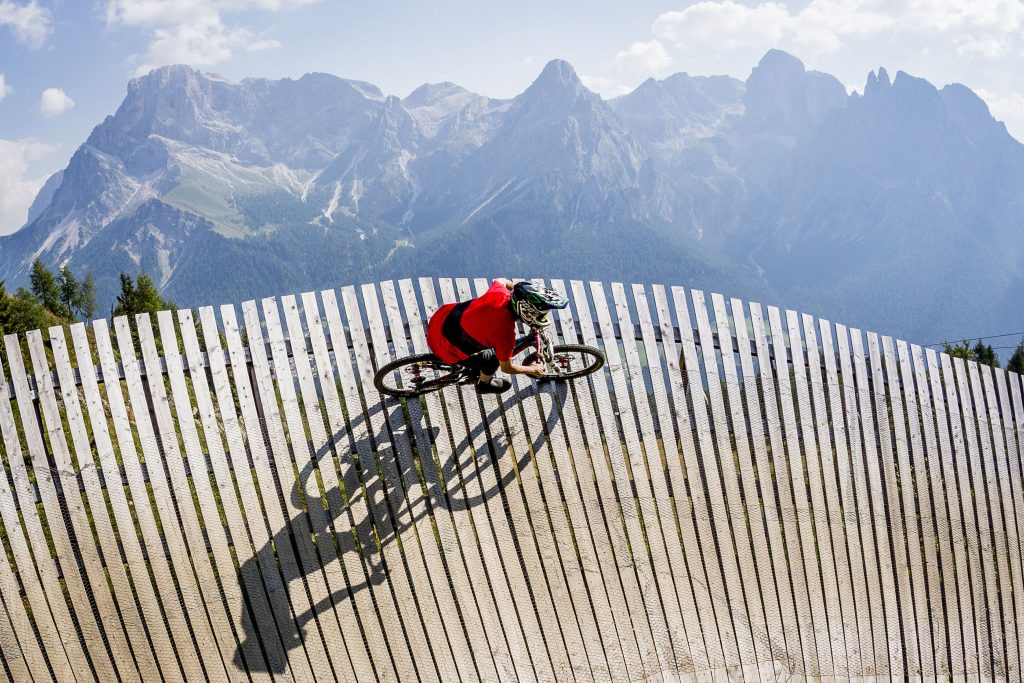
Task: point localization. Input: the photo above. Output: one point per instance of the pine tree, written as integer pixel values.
(1016, 363)
(87, 298)
(44, 287)
(5, 310)
(69, 291)
(985, 355)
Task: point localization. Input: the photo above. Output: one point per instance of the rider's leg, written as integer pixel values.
(486, 363)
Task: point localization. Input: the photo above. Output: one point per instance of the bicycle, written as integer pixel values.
(422, 373)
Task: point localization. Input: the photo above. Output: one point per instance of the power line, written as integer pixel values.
(987, 336)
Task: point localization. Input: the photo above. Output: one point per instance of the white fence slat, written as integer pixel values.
(989, 623)
(831, 501)
(936, 442)
(874, 490)
(972, 600)
(465, 557)
(817, 456)
(220, 620)
(262, 614)
(208, 511)
(1001, 605)
(74, 582)
(457, 466)
(1013, 498)
(18, 645)
(179, 623)
(56, 629)
(600, 509)
(449, 603)
(1004, 517)
(135, 627)
(917, 630)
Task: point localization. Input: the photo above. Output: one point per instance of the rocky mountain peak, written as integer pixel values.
(783, 97)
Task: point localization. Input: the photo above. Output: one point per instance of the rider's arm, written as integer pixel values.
(504, 281)
(510, 368)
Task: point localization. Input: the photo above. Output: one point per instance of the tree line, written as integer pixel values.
(63, 298)
(986, 355)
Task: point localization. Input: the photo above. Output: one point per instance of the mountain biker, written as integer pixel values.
(480, 334)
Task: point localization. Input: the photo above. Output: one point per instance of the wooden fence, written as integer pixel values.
(736, 496)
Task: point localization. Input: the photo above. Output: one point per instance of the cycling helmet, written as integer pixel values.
(531, 303)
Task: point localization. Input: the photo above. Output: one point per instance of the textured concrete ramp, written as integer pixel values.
(743, 493)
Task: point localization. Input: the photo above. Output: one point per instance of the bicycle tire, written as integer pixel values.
(383, 380)
(596, 361)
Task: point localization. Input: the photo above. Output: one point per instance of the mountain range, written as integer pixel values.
(899, 208)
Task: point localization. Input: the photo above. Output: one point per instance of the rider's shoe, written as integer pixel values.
(496, 385)
(531, 359)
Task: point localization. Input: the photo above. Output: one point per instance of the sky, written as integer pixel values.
(65, 64)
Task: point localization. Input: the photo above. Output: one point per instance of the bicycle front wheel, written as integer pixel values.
(415, 375)
(575, 360)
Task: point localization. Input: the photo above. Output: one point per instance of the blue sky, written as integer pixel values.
(64, 64)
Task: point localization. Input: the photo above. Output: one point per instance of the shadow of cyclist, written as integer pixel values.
(445, 491)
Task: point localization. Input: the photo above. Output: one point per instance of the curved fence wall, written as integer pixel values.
(742, 492)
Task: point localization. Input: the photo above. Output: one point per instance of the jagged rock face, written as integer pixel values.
(886, 208)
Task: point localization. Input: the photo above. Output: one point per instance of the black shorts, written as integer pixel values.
(486, 362)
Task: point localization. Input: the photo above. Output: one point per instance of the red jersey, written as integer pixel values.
(457, 331)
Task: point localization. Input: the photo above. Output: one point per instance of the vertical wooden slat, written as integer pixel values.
(939, 462)
(1000, 600)
(875, 491)
(922, 533)
(917, 629)
(831, 500)
(1012, 495)
(485, 622)
(21, 650)
(989, 623)
(262, 629)
(39, 576)
(1004, 518)
(74, 582)
(251, 658)
(134, 625)
(179, 624)
(220, 620)
(550, 563)
(601, 509)
(817, 456)
(972, 600)
(550, 660)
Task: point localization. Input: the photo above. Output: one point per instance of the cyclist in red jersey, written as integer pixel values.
(481, 333)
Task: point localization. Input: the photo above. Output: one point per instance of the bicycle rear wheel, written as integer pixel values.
(415, 375)
(575, 360)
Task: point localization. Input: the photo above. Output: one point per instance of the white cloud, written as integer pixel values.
(192, 31)
(605, 87)
(1004, 106)
(30, 23)
(16, 190)
(651, 57)
(5, 89)
(54, 102)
